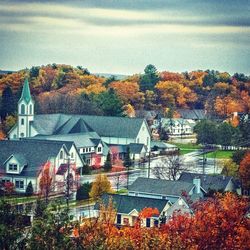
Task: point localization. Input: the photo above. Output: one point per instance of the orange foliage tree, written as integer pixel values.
(244, 171)
(45, 182)
(217, 223)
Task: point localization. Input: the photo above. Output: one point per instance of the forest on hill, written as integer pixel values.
(63, 88)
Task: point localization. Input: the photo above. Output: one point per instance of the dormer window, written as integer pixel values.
(99, 149)
(12, 167)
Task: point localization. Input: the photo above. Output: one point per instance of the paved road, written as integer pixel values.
(193, 161)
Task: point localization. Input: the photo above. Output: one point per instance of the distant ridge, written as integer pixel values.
(5, 72)
(107, 75)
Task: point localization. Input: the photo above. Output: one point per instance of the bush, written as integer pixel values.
(83, 192)
(29, 189)
(86, 169)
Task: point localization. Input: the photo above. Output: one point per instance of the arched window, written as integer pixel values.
(30, 109)
(22, 109)
(61, 155)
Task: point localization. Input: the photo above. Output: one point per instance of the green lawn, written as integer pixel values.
(187, 148)
(220, 154)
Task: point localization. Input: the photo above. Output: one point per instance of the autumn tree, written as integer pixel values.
(230, 168)
(45, 182)
(100, 186)
(244, 171)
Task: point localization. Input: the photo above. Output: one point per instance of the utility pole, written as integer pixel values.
(149, 163)
(68, 182)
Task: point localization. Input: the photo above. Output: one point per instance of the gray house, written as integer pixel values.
(22, 161)
(128, 209)
(208, 183)
(164, 189)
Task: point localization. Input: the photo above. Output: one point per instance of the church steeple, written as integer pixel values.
(25, 112)
(26, 96)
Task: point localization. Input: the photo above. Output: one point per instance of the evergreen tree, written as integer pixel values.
(7, 103)
(83, 192)
(29, 189)
(127, 161)
(85, 169)
(149, 78)
(108, 163)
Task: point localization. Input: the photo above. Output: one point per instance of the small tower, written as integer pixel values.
(25, 111)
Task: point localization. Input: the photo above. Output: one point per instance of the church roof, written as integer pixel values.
(26, 96)
(105, 126)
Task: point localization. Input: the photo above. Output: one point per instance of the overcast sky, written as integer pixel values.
(123, 36)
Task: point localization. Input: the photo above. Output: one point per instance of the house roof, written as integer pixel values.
(136, 148)
(194, 114)
(87, 139)
(26, 96)
(35, 152)
(161, 187)
(126, 203)
(214, 182)
(106, 126)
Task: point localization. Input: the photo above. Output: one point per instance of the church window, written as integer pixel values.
(22, 121)
(30, 109)
(22, 109)
(61, 155)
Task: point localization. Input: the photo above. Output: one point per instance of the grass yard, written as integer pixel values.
(187, 148)
(220, 154)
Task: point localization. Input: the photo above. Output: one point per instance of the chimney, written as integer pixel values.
(197, 183)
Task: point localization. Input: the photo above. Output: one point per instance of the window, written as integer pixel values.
(61, 155)
(30, 109)
(147, 141)
(148, 222)
(19, 184)
(5, 181)
(99, 149)
(83, 150)
(22, 121)
(22, 134)
(156, 223)
(88, 161)
(119, 219)
(22, 109)
(72, 155)
(138, 140)
(12, 167)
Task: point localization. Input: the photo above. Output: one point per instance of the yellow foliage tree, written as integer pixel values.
(100, 186)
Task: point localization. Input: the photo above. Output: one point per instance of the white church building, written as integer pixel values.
(111, 130)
